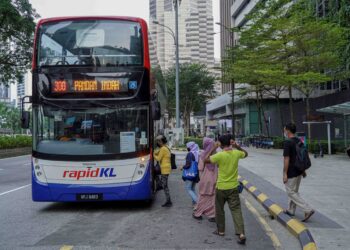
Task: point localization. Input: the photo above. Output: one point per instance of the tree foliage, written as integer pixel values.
(16, 38)
(196, 87)
(285, 45)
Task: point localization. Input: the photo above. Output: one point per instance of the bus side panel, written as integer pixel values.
(142, 190)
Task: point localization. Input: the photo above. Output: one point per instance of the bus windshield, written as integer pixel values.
(90, 43)
(90, 131)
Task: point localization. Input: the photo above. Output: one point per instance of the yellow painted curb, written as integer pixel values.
(295, 226)
(262, 197)
(252, 189)
(310, 246)
(66, 247)
(275, 209)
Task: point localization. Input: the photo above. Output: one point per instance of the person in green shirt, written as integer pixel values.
(227, 184)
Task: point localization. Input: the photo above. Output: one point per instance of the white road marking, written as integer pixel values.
(1, 194)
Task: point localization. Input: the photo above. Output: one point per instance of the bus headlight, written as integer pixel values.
(39, 173)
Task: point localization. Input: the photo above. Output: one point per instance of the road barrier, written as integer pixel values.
(297, 228)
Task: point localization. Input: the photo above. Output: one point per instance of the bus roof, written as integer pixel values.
(71, 18)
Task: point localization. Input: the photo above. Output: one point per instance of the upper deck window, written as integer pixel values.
(90, 43)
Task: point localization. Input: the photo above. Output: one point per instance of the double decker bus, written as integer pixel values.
(95, 105)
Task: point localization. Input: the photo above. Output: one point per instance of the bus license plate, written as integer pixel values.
(89, 197)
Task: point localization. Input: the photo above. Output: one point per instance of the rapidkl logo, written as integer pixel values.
(98, 172)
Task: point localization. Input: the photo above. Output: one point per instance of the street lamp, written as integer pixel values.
(176, 42)
(232, 80)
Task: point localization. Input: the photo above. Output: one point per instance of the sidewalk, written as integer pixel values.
(326, 189)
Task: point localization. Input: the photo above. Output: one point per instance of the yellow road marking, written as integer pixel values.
(66, 247)
(296, 226)
(310, 246)
(245, 182)
(275, 241)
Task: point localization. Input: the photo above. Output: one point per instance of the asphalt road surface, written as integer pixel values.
(112, 225)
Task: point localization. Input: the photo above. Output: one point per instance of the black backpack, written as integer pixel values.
(302, 159)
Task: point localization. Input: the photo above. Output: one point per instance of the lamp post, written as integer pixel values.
(177, 64)
(232, 80)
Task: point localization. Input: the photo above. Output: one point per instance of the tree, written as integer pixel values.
(16, 38)
(196, 87)
(284, 44)
(10, 118)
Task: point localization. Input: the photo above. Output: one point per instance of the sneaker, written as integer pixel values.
(167, 204)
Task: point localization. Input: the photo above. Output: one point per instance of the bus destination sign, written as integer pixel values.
(88, 86)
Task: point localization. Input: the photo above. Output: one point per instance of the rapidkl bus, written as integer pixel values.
(94, 107)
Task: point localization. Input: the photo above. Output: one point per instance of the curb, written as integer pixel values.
(297, 228)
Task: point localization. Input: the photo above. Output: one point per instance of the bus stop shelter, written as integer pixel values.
(344, 110)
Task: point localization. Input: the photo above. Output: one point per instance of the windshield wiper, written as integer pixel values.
(54, 104)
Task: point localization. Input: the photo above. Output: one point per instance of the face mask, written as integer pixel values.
(286, 135)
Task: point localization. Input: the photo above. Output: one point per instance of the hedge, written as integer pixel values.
(197, 140)
(17, 141)
(313, 147)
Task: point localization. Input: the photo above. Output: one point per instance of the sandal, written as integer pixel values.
(308, 215)
(216, 232)
(197, 217)
(241, 240)
(288, 213)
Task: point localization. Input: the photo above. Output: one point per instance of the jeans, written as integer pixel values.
(230, 196)
(191, 190)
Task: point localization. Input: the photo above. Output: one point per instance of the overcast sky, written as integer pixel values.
(137, 8)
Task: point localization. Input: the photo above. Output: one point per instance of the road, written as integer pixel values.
(112, 225)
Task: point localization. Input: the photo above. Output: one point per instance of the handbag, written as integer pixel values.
(240, 187)
(157, 170)
(191, 173)
(172, 160)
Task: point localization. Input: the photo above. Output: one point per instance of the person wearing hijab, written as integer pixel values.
(208, 173)
(192, 155)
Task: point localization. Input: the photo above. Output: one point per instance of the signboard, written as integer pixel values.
(93, 86)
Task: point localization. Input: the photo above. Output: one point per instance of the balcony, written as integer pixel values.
(237, 6)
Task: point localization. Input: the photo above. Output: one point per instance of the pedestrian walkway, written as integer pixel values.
(326, 188)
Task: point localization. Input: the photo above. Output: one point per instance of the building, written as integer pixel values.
(226, 36)
(196, 32)
(24, 88)
(5, 94)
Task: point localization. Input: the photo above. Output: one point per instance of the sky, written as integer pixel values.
(137, 8)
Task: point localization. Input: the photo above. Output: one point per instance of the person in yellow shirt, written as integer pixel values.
(163, 155)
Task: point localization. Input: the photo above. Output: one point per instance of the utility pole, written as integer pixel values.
(177, 94)
(232, 79)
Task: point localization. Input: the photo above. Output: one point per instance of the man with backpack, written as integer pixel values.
(296, 162)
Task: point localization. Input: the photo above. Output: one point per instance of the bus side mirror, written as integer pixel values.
(155, 106)
(25, 115)
(25, 119)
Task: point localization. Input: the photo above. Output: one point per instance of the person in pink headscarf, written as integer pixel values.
(208, 175)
